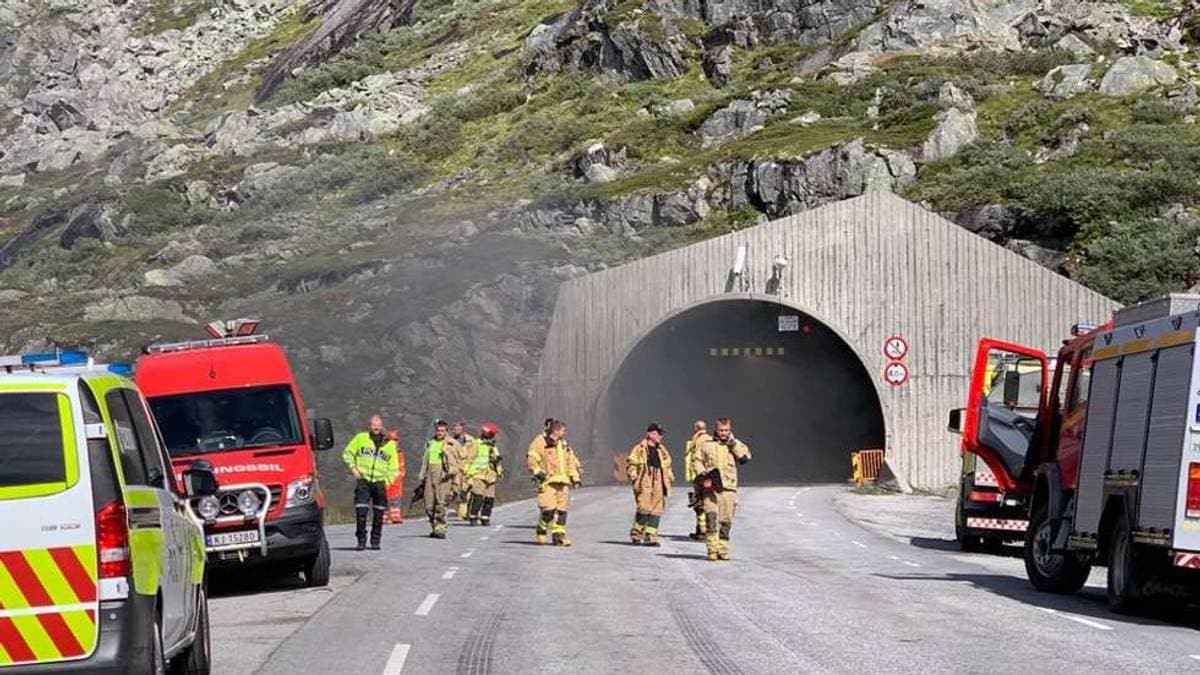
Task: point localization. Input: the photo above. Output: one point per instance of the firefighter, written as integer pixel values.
(555, 470)
(462, 486)
(395, 491)
(483, 471)
(716, 465)
(699, 437)
(649, 468)
(371, 458)
(439, 466)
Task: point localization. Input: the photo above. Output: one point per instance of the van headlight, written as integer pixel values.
(300, 492)
(208, 507)
(248, 502)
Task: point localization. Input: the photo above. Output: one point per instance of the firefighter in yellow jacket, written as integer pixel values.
(482, 472)
(699, 437)
(716, 467)
(372, 459)
(556, 470)
(649, 468)
(439, 466)
(462, 486)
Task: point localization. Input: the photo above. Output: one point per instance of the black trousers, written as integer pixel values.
(369, 497)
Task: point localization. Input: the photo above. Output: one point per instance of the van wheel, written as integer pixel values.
(1126, 573)
(158, 660)
(316, 572)
(1050, 571)
(197, 658)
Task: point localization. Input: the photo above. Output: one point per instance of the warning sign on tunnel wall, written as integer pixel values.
(895, 348)
(895, 373)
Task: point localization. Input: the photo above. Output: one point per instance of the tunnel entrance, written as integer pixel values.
(797, 393)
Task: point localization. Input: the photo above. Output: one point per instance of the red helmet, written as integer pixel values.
(489, 430)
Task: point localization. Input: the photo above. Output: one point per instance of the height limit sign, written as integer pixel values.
(895, 348)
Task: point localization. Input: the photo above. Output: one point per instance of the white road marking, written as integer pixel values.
(497, 528)
(395, 662)
(1077, 619)
(1194, 656)
(859, 544)
(813, 523)
(469, 552)
(903, 562)
(449, 574)
(427, 604)
(484, 538)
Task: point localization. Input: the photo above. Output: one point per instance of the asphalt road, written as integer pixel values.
(809, 590)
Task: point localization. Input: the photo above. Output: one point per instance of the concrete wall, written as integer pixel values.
(869, 268)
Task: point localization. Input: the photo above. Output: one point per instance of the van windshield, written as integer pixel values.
(218, 421)
(31, 441)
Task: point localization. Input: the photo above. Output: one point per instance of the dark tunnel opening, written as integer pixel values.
(800, 397)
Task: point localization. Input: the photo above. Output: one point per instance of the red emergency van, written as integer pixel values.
(232, 400)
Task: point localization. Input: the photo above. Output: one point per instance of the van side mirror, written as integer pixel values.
(199, 479)
(1012, 388)
(322, 433)
(955, 423)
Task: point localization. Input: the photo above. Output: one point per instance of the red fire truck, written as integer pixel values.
(232, 400)
(1111, 461)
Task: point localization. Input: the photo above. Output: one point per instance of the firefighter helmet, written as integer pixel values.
(489, 430)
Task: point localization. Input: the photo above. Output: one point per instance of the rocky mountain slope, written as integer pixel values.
(397, 186)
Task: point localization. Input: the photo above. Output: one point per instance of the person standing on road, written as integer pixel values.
(462, 486)
(439, 466)
(371, 458)
(556, 470)
(716, 467)
(699, 437)
(395, 490)
(483, 471)
(649, 468)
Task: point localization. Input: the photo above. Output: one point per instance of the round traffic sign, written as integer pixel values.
(895, 348)
(895, 373)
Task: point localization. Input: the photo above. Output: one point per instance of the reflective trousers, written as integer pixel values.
(718, 514)
(370, 497)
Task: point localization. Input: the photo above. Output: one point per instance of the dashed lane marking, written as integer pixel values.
(859, 544)
(449, 574)
(427, 604)
(484, 538)
(902, 561)
(497, 528)
(1077, 619)
(469, 553)
(395, 662)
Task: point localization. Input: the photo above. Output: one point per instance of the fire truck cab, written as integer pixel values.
(232, 400)
(1111, 461)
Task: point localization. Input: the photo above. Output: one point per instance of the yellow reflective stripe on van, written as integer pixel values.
(145, 538)
(70, 455)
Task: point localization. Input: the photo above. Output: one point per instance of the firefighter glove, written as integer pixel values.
(743, 459)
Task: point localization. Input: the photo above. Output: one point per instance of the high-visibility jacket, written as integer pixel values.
(556, 460)
(485, 461)
(376, 461)
(713, 454)
(689, 454)
(440, 460)
(396, 489)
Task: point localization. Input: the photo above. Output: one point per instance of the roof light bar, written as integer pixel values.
(205, 344)
(1082, 328)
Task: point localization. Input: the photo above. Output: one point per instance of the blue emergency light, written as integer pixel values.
(122, 369)
(64, 358)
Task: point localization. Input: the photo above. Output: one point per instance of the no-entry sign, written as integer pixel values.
(895, 373)
(895, 348)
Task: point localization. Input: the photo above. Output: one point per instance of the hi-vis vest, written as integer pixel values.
(434, 451)
(481, 463)
(375, 465)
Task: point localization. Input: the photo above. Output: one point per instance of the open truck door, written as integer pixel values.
(1001, 421)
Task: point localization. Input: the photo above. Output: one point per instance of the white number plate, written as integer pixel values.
(232, 538)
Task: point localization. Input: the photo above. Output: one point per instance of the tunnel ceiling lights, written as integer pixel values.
(746, 351)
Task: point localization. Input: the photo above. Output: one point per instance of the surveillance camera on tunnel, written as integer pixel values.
(781, 261)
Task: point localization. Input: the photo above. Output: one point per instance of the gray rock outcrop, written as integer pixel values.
(1063, 82)
(1132, 74)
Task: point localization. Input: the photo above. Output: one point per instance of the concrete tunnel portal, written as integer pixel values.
(800, 396)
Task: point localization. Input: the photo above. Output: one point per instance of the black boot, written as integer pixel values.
(360, 527)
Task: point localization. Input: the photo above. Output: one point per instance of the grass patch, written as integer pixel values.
(165, 15)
